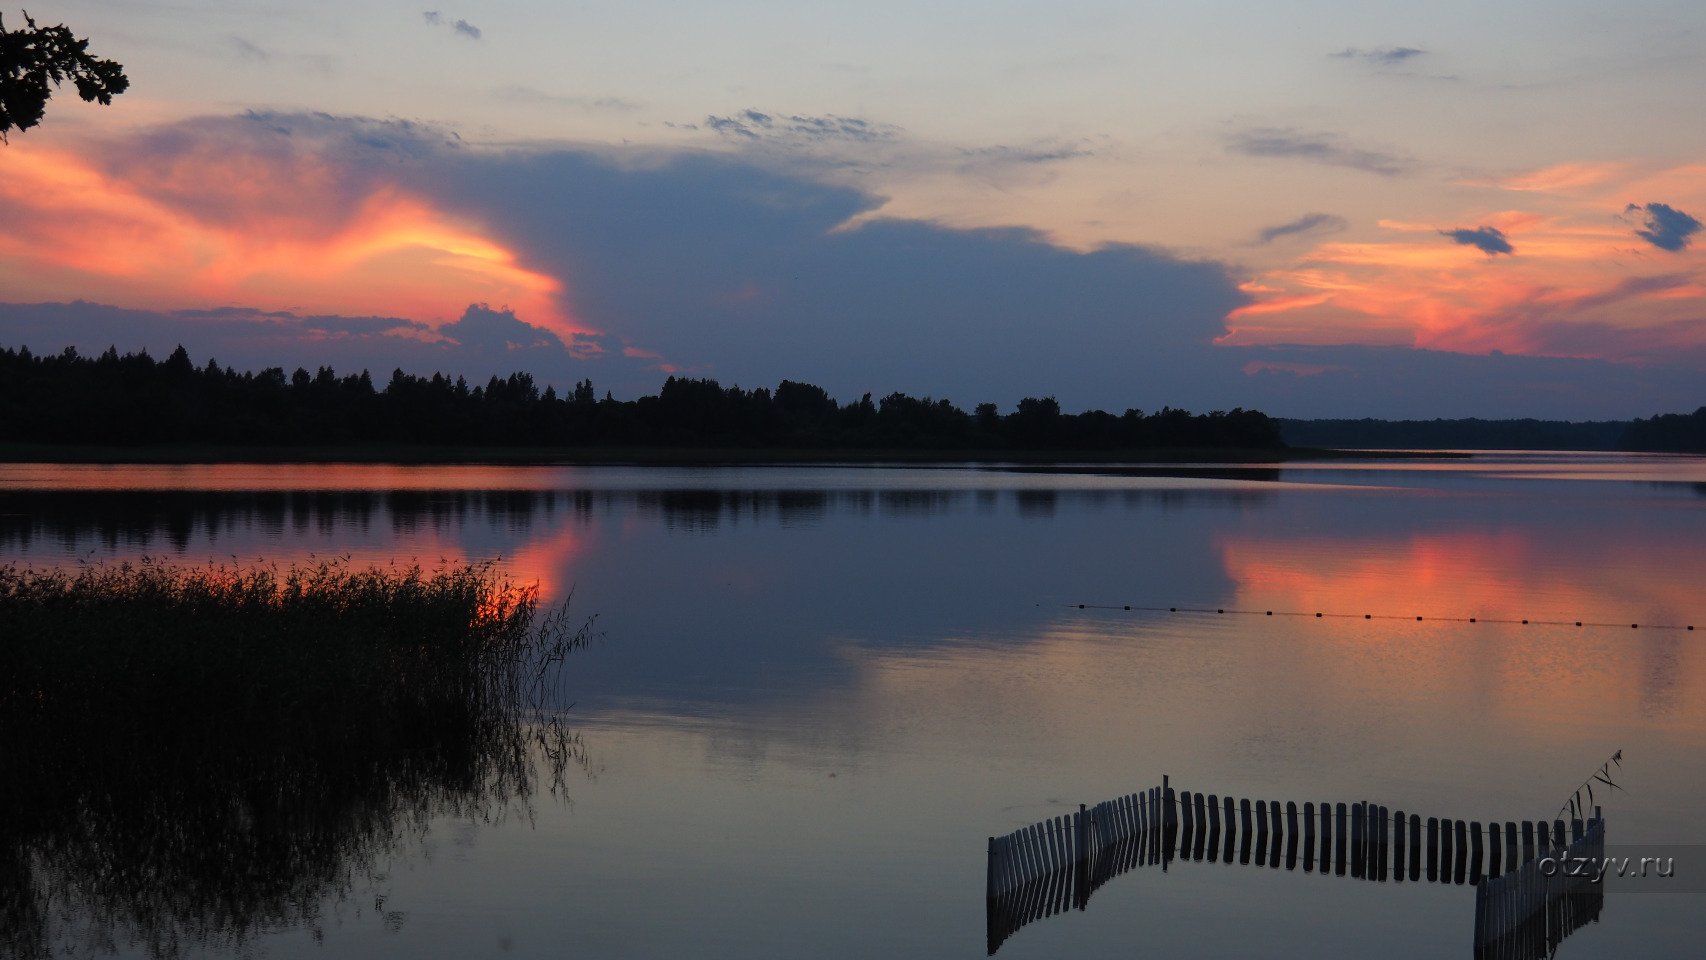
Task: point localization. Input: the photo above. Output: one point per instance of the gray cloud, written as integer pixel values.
(249, 51)
(481, 343)
(1380, 56)
(1000, 154)
(745, 274)
(460, 26)
(1666, 227)
(514, 93)
(1405, 383)
(729, 268)
(1489, 240)
(1310, 224)
(1315, 147)
(754, 125)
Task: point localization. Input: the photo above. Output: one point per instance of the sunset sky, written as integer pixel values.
(1317, 209)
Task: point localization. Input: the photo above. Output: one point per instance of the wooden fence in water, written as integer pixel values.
(1057, 864)
(1526, 913)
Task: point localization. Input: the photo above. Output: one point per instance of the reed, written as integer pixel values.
(190, 756)
(1573, 803)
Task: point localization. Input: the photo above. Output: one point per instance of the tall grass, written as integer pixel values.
(193, 755)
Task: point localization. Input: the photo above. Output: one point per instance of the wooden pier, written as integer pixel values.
(1059, 863)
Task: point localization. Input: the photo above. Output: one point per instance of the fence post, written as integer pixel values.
(1382, 815)
(1291, 837)
(1279, 831)
(1309, 838)
(1398, 825)
(1169, 823)
(1340, 827)
(1415, 847)
(1326, 838)
(1433, 849)
(1187, 825)
(1475, 851)
(1231, 831)
(1202, 828)
(1213, 828)
(1359, 839)
(1445, 851)
(1261, 833)
(1494, 848)
(1460, 852)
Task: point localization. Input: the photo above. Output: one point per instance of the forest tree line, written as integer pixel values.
(1664, 433)
(1667, 433)
(136, 400)
(1468, 433)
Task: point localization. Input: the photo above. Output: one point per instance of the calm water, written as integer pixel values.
(819, 690)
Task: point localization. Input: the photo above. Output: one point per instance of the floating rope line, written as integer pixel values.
(1376, 616)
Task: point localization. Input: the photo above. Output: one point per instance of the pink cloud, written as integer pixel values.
(190, 218)
(1576, 283)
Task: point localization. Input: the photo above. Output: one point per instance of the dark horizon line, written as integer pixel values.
(367, 375)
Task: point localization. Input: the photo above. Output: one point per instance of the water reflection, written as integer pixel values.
(157, 803)
(848, 668)
(179, 518)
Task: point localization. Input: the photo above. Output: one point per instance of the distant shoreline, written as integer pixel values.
(419, 454)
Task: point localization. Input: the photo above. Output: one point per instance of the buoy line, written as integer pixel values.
(1376, 616)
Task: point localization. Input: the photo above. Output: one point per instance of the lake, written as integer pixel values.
(817, 692)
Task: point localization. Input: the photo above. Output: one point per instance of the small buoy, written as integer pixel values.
(1128, 606)
(1270, 613)
(1081, 606)
(1579, 623)
(1525, 621)
(1691, 626)
(1368, 616)
(1471, 619)
(1634, 626)
(1317, 616)
(1418, 618)
(1220, 611)
(1172, 609)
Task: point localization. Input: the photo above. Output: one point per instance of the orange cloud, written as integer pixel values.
(1579, 283)
(208, 229)
(1564, 178)
(1279, 305)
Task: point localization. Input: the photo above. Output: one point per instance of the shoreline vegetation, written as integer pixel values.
(1665, 433)
(197, 754)
(66, 408)
(1470, 433)
(134, 402)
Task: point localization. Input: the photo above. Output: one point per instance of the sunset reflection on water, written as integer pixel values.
(878, 669)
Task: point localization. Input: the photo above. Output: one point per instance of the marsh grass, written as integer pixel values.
(1574, 804)
(196, 755)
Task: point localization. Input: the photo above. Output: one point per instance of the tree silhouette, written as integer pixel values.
(134, 399)
(34, 57)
